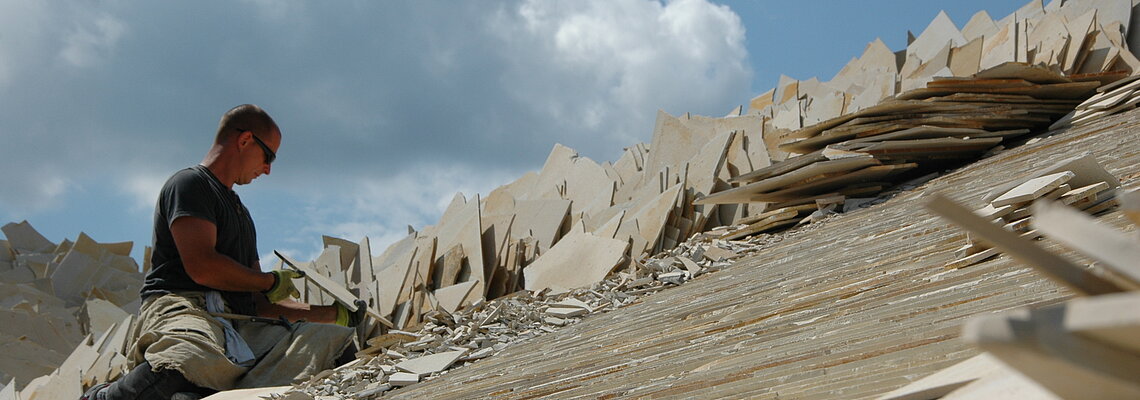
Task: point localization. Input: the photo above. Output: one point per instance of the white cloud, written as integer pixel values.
(606, 66)
(142, 187)
(92, 39)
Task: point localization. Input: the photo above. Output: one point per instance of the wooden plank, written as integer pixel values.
(1052, 266)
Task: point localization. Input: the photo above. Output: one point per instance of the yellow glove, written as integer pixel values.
(283, 285)
(349, 318)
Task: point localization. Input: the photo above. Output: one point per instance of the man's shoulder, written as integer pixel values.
(188, 175)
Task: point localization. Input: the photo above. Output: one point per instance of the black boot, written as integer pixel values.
(142, 383)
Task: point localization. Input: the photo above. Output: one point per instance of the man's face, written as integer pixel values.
(258, 157)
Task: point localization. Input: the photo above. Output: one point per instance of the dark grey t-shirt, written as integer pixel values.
(196, 192)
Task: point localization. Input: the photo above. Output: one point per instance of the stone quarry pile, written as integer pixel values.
(578, 236)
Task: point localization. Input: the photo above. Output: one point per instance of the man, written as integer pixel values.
(205, 264)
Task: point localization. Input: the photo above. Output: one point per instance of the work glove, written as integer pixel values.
(351, 319)
(283, 285)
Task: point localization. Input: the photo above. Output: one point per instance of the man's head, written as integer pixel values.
(255, 138)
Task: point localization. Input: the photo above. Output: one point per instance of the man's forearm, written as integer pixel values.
(295, 310)
(219, 272)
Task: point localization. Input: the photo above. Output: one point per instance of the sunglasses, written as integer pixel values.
(269, 154)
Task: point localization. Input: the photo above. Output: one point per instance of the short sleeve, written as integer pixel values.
(186, 195)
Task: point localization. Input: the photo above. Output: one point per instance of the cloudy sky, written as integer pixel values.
(388, 108)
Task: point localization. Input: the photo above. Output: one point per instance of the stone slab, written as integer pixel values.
(577, 260)
(1032, 189)
(1076, 230)
(430, 364)
(1051, 265)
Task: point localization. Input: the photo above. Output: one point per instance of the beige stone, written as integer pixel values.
(999, 47)
(577, 260)
(1036, 343)
(461, 225)
(1033, 188)
(24, 238)
(246, 394)
(938, 35)
(1077, 230)
(945, 381)
(965, 60)
(430, 364)
(1053, 266)
(980, 25)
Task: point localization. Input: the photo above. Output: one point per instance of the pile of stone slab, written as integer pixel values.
(1087, 347)
(861, 154)
(1074, 37)
(1114, 98)
(65, 310)
(950, 95)
(1080, 183)
(569, 225)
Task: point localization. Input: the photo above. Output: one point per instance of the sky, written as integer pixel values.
(387, 109)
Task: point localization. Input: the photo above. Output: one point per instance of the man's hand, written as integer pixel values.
(283, 285)
(349, 318)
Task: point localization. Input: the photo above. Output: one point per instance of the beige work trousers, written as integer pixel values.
(174, 331)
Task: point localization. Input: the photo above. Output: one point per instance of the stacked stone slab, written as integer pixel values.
(951, 96)
(65, 310)
(570, 224)
(1083, 348)
(1075, 37)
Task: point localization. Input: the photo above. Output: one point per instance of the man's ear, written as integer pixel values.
(244, 138)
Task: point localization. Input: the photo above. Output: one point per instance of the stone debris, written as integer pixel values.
(65, 310)
(454, 340)
(1086, 347)
(1094, 194)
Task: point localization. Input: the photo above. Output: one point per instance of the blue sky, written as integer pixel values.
(388, 108)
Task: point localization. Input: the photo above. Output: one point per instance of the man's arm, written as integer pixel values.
(196, 239)
(294, 310)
